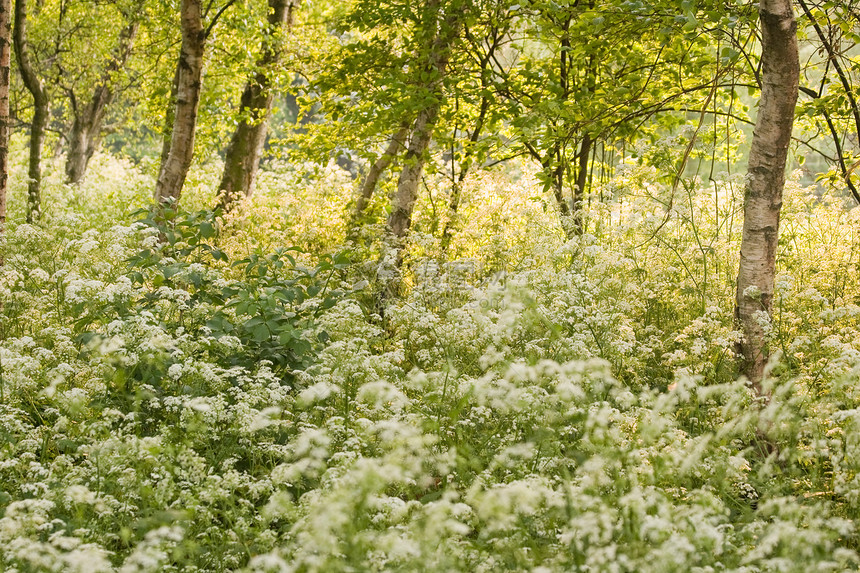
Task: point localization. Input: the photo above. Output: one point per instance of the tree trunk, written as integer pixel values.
(246, 145)
(766, 178)
(5, 58)
(436, 67)
(406, 195)
(169, 117)
(557, 178)
(371, 180)
(80, 142)
(453, 208)
(581, 181)
(189, 77)
(40, 111)
(85, 135)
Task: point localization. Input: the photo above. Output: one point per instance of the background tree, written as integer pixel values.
(188, 81)
(829, 108)
(88, 116)
(400, 60)
(182, 114)
(440, 25)
(589, 77)
(476, 117)
(37, 90)
(246, 146)
(72, 49)
(5, 124)
(370, 180)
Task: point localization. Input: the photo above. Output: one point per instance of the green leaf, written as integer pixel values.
(261, 333)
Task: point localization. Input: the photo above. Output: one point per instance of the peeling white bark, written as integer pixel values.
(189, 78)
(765, 182)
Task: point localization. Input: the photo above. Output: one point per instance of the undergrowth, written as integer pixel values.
(221, 395)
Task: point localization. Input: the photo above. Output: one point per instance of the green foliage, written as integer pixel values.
(268, 307)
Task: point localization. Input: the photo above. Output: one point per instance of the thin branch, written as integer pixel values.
(215, 18)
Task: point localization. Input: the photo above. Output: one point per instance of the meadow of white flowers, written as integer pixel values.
(529, 404)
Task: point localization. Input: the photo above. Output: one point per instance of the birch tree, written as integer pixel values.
(188, 82)
(441, 26)
(765, 182)
(369, 182)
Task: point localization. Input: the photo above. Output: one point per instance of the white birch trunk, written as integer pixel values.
(766, 179)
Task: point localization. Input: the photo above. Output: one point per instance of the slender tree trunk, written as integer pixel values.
(5, 59)
(85, 135)
(436, 68)
(487, 73)
(246, 146)
(557, 177)
(581, 182)
(371, 180)
(560, 156)
(453, 208)
(169, 119)
(40, 110)
(766, 179)
(406, 195)
(80, 138)
(585, 148)
(189, 76)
